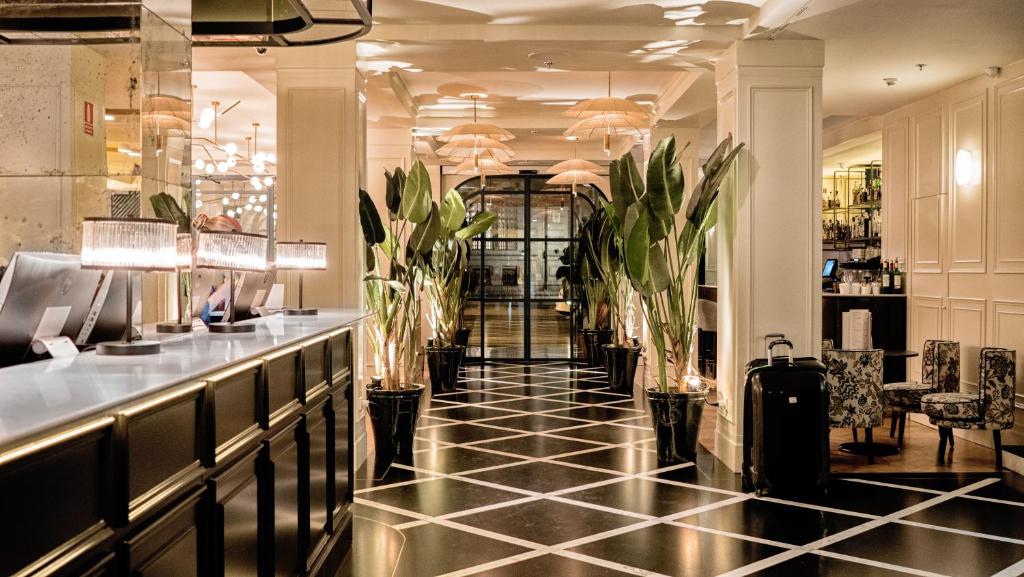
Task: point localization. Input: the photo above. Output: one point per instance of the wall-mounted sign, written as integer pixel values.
(87, 119)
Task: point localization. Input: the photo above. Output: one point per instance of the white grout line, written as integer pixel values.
(878, 564)
(993, 500)
(476, 569)
(892, 485)
(1012, 571)
(960, 531)
(732, 535)
(607, 564)
(854, 531)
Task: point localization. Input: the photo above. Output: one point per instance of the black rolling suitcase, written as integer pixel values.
(785, 404)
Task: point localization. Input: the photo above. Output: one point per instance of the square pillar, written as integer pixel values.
(769, 214)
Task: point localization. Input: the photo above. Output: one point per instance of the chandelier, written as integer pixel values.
(606, 116)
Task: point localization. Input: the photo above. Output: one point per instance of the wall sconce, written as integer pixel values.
(966, 168)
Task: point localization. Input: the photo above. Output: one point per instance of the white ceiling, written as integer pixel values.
(528, 54)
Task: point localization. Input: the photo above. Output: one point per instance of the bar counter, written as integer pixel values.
(222, 455)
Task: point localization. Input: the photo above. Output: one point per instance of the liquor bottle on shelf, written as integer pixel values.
(897, 279)
(886, 278)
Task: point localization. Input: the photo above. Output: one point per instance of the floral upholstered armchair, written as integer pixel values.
(991, 408)
(940, 373)
(854, 381)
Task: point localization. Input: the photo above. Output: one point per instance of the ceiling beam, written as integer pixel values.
(673, 91)
(549, 33)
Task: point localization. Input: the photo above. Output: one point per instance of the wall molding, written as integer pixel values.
(1007, 176)
(961, 196)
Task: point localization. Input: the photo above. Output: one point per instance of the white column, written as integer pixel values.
(321, 150)
(769, 214)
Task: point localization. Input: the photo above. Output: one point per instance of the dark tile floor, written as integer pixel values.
(523, 474)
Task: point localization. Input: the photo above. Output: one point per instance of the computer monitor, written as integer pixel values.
(830, 267)
(253, 292)
(33, 283)
(106, 320)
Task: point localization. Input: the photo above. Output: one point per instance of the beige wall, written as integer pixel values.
(963, 244)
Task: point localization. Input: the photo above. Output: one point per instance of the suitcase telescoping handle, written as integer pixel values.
(779, 343)
(768, 340)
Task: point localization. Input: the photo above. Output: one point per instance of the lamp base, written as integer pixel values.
(122, 349)
(300, 312)
(174, 328)
(231, 328)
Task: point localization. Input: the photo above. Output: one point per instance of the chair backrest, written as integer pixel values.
(997, 387)
(946, 368)
(827, 344)
(854, 380)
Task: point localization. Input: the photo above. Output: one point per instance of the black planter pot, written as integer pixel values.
(393, 415)
(596, 339)
(583, 343)
(676, 416)
(620, 364)
(443, 364)
(462, 337)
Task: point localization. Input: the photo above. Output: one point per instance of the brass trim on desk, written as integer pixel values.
(34, 447)
(165, 399)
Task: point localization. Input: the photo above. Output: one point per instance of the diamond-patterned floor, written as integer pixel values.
(537, 470)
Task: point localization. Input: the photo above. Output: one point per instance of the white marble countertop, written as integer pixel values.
(48, 395)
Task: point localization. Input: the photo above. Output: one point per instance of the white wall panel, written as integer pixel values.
(1008, 177)
(927, 237)
(929, 153)
(896, 162)
(967, 185)
(967, 326)
(926, 323)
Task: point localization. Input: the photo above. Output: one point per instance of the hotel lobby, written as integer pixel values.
(573, 288)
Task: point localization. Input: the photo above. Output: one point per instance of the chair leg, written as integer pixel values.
(855, 434)
(871, 449)
(892, 426)
(997, 441)
(952, 443)
(942, 444)
(903, 424)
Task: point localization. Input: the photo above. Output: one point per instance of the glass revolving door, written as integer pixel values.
(518, 309)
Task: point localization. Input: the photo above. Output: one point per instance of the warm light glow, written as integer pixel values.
(272, 158)
(267, 181)
(231, 148)
(129, 243)
(235, 195)
(966, 168)
(199, 164)
(222, 167)
(263, 198)
(231, 250)
(184, 249)
(301, 256)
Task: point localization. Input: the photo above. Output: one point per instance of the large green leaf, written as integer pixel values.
(637, 244)
(622, 197)
(657, 264)
(477, 226)
(369, 220)
(369, 258)
(395, 183)
(631, 179)
(421, 241)
(660, 179)
(707, 189)
(658, 228)
(416, 201)
(453, 212)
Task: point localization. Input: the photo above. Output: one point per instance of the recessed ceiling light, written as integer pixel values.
(890, 81)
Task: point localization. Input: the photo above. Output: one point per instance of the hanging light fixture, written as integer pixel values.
(475, 129)
(607, 116)
(483, 167)
(575, 177)
(462, 148)
(575, 163)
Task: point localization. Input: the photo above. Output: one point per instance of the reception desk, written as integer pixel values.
(224, 455)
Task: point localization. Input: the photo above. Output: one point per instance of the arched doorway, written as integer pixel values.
(514, 311)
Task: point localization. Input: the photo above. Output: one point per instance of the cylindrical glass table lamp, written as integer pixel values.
(129, 244)
(183, 263)
(301, 256)
(231, 251)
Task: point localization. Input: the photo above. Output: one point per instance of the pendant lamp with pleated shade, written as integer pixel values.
(608, 105)
(482, 167)
(476, 129)
(575, 164)
(575, 177)
(462, 148)
(606, 125)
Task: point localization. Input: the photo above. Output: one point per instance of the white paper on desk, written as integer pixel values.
(52, 322)
(275, 300)
(58, 347)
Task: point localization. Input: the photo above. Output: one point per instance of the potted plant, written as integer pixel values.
(661, 255)
(592, 290)
(604, 251)
(445, 271)
(393, 284)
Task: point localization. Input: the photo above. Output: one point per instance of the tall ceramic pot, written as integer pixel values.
(583, 342)
(596, 340)
(676, 417)
(620, 363)
(393, 416)
(443, 364)
(462, 339)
